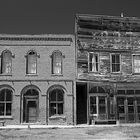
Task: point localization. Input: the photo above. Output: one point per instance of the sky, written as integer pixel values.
(57, 16)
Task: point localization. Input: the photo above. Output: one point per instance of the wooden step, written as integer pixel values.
(100, 122)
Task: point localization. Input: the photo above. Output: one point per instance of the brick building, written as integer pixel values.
(108, 68)
(37, 79)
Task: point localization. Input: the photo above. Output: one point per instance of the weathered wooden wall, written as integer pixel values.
(106, 35)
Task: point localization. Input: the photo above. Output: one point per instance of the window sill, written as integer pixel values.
(115, 72)
(57, 75)
(31, 75)
(6, 117)
(92, 72)
(5, 74)
(57, 117)
(135, 73)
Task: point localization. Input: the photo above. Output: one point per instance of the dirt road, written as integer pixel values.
(101, 133)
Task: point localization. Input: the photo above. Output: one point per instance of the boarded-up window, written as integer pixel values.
(136, 63)
(115, 59)
(57, 63)
(93, 62)
(5, 102)
(6, 62)
(32, 63)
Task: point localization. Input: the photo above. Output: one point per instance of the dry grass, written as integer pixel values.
(106, 133)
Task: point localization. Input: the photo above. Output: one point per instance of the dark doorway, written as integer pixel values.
(30, 106)
(31, 111)
(81, 96)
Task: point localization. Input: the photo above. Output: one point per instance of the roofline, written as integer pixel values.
(34, 35)
(42, 37)
(105, 16)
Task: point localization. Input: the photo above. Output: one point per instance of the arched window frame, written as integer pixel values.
(31, 96)
(5, 102)
(57, 65)
(29, 69)
(6, 63)
(55, 105)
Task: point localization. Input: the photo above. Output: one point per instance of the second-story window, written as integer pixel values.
(6, 62)
(57, 62)
(31, 63)
(115, 60)
(136, 63)
(93, 62)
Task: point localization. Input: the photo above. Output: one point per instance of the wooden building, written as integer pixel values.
(108, 68)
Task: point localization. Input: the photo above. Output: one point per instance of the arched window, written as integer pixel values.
(97, 90)
(31, 63)
(56, 101)
(5, 102)
(57, 62)
(6, 62)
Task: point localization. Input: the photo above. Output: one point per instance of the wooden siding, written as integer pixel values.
(106, 35)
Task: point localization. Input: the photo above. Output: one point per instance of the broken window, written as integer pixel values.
(93, 62)
(6, 62)
(31, 63)
(56, 101)
(5, 102)
(136, 63)
(115, 59)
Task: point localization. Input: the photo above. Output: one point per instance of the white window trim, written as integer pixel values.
(97, 103)
(133, 63)
(12, 56)
(8, 116)
(111, 62)
(98, 63)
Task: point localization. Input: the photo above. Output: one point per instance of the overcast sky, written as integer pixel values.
(57, 16)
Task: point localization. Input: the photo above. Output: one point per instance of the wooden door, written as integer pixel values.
(31, 110)
(121, 109)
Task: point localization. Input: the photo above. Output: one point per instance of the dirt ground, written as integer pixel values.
(101, 133)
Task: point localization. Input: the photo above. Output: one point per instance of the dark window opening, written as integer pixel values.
(56, 101)
(115, 62)
(5, 102)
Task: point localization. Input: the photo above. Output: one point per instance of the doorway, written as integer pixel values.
(81, 97)
(98, 106)
(30, 106)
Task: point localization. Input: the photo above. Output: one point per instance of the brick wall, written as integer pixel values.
(44, 45)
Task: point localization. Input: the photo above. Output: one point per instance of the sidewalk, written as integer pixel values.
(38, 126)
(32, 126)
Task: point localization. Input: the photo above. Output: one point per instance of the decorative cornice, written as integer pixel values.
(36, 39)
